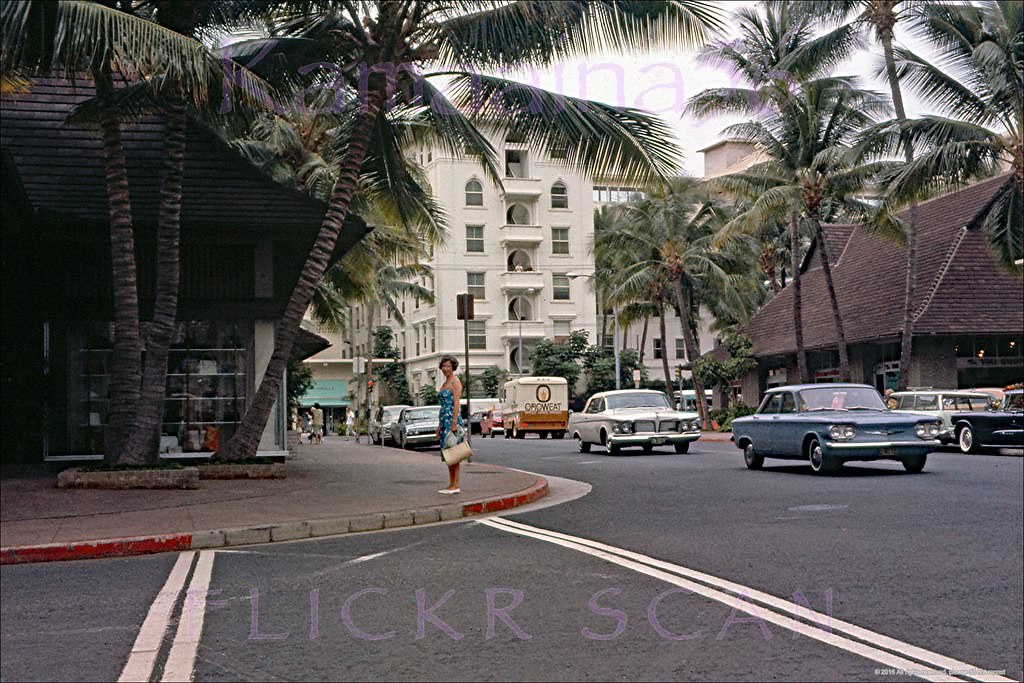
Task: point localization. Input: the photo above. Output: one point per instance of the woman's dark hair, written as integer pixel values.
(449, 359)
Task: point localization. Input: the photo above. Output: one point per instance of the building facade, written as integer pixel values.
(512, 247)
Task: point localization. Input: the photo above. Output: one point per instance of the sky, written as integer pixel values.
(662, 82)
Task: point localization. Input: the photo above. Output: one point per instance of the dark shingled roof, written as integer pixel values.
(961, 288)
(60, 168)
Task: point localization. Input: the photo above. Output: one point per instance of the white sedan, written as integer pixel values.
(641, 418)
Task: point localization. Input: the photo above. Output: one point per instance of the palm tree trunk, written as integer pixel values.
(246, 440)
(685, 302)
(907, 334)
(826, 269)
(643, 338)
(127, 354)
(144, 437)
(798, 321)
(664, 346)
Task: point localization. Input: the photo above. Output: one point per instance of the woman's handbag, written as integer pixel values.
(456, 449)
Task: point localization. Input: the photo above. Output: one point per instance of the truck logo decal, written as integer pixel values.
(543, 393)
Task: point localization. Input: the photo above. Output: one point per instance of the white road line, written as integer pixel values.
(181, 660)
(869, 648)
(147, 644)
(588, 462)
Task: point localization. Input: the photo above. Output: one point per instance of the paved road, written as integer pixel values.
(933, 561)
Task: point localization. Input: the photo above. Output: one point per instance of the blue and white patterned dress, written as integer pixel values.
(447, 413)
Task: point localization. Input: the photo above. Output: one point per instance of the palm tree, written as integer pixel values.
(398, 38)
(880, 18)
(978, 80)
(44, 37)
(669, 238)
(812, 173)
(779, 47)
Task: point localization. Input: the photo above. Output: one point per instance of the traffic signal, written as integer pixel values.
(369, 386)
(679, 372)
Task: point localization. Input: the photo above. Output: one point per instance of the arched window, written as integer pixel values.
(474, 193)
(520, 308)
(559, 196)
(517, 214)
(519, 261)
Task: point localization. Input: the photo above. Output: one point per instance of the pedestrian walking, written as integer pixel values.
(307, 426)
(350, 423)
(449, 416)
(318, 423)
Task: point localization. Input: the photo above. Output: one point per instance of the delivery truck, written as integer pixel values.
(535, 404)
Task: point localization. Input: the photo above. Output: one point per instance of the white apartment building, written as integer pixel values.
(511, 247)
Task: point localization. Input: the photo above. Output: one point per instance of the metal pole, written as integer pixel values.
(519, 314)
(615, 346)
(469, 381)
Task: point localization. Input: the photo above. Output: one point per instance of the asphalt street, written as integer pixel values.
(933, 561)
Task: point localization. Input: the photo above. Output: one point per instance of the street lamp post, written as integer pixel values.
(519, 314)
(615, 317)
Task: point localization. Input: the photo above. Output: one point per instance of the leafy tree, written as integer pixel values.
(718, 373)
(427, 396)
(399, 39)
(599, 367)
(492, 379)
(300, 379)
(392, 375)
(560, 359)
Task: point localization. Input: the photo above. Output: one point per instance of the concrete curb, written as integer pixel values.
(288, 531)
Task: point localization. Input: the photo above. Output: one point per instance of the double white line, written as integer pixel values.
(181, 659)
(888, 652)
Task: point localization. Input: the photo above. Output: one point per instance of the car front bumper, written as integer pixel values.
(880, 450)
(647, 440)
(419, 439)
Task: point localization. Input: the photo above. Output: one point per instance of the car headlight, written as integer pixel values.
(623, 428)
(689, 425)
(927, 430)
(842, 432)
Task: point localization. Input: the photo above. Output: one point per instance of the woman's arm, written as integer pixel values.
(456, 396)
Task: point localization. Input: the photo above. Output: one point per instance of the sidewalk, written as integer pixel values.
(333, 488)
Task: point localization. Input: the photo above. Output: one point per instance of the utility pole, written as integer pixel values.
(464, 312)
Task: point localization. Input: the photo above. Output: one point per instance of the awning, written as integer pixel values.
(329, 393)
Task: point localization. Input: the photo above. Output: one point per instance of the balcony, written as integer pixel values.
(522, 187)
(520, 281)
(532, 329)
(520, 234)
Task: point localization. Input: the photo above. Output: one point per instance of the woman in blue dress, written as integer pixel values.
(449, 395)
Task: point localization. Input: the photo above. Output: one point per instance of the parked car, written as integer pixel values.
(829, 424)
(1002, 428)
(621, 419)
(417, 427)
(477, 408)
(382, 425)
(941, 404)
(492, 423)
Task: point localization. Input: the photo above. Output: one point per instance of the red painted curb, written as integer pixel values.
(535, 492)
(84, 550)
(124, 547)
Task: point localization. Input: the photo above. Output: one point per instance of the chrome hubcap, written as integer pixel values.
(816, 457)
(966, 440)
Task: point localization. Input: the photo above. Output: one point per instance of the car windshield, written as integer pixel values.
(840, 398)
(392, 414)
(638, 400)
(1013, 403)
(421, 414)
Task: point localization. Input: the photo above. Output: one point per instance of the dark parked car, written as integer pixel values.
(417, 427)
(1003, 428)
(383, 424)
(829, 424)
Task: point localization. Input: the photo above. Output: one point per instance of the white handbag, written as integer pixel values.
(456, 452)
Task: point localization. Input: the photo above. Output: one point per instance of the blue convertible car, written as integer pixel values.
(829, 424)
